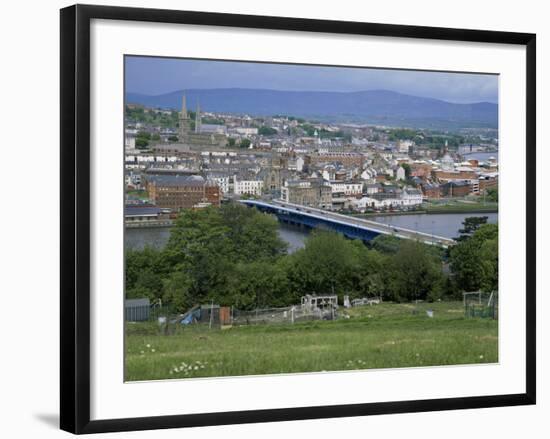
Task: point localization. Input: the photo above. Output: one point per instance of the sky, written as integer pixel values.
(154, 76)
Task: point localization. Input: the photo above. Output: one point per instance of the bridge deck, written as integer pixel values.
(373, 227)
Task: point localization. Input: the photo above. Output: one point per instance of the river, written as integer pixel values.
(446, 225)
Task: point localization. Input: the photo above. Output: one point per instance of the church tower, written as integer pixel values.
(184, 122)
(198, 119)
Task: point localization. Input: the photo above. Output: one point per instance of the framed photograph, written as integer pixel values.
(274, 218)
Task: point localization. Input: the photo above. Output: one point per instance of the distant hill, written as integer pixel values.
(381, 107)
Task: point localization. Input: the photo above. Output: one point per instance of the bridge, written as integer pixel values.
(354, 228)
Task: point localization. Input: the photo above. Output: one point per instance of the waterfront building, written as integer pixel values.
(313, 192)
(178, 192)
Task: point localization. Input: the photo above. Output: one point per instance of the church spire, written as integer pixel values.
(198, 119)
(183, 107)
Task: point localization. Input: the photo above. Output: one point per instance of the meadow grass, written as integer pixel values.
(378, 336)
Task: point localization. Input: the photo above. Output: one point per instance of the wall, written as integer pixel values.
(29, 279)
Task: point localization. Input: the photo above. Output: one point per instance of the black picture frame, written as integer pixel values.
(75, 217)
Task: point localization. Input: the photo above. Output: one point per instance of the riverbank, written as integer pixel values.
(433, 210)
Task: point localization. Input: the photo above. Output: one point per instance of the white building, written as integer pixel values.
(249, 187)
(404, 145)
(400, 173)
(222, 181)
(348, 188)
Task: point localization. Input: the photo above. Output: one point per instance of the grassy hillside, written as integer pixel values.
(379, 336)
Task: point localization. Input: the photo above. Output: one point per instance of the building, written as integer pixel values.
(431, 190)
(247, 186)
(178, 192)
(141, 214)
(347, 159)
(136, 310)
(313, 192)
(209, 137)
(456, 188)
(346, 189)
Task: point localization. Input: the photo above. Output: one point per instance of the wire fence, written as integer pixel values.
(478, 304)
(291, 314)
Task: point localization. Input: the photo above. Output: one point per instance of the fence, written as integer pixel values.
(291, 314)
(479, 304)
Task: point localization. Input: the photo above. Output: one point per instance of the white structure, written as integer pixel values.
(249, 187)
(408, 198)
(404, 145)
(347, 188)
(400, 173)
(222, 181)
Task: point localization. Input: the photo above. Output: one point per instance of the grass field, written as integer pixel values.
(378, 336)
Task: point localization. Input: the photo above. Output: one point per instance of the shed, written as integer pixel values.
(136, 310)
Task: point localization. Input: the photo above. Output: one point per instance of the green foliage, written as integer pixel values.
(213, 246)
(245, 143)
(144, 273)
(212, 120)
(474, 261)
(141, 143)
(173, 139)
(150, 116)
(407, 169)
(386, 243)
(231, 142)
(267, 131)
(388, 335)
(326, 265)
(471, 224)
(492, 194)
(233, 256)
(415, 273)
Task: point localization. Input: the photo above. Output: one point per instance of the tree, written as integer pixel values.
(144, 272)
(415, 273)
(474, 261)
(327, 264)
(253, 234)
(258, 284)
(267, 131)
(245, 143)
(407, 169)
(492, 194)
(141, 143)
(177, 289)
(207, 244)
(231, 141)
(471, 224)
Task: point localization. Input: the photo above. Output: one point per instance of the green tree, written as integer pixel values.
(144, 273)
(231, 141)
(415, 273)
(267, 131)
(141, 143)
(245, 143)
(470, 225)
(474, 261)
(258, 284)
(177, 289)
(327, 264)
(492, 194)
(407, 169)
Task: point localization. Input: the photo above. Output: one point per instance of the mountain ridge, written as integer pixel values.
(369, 106)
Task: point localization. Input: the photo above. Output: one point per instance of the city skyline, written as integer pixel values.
(156, 76)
